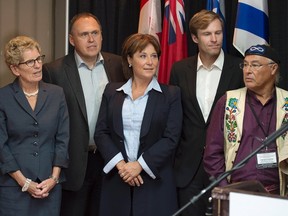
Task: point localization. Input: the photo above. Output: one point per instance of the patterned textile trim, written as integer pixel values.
(230, 120)
(285, 120)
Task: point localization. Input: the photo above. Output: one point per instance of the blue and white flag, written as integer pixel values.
(252, 24)
(218, 6)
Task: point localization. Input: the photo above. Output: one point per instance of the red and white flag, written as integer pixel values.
(150, 17)
(173, 40)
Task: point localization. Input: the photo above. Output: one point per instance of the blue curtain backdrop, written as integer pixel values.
(119, 18)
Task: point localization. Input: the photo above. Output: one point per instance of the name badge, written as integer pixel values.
(266, 160)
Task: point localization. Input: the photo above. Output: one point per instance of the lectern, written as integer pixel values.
(221, 196)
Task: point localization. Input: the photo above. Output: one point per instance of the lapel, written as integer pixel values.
(73, 78)
(107, 65)
(42, 97)
(224, 81)
(117, 113)
(147, 118)
(225, 78)
(149, 111)
(23, 102)
(191, 78)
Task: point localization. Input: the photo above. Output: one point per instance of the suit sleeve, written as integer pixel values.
(214, 159)
(159, 153)
(62, 136)
(103, 132)
(7, 161)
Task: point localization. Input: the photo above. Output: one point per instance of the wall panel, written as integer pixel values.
(34, 18)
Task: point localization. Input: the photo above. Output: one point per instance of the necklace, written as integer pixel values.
(31, 94)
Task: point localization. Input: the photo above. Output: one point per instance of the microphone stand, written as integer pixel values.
(224, 175)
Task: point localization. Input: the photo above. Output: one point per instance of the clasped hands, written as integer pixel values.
(42, 189)
(130, 172)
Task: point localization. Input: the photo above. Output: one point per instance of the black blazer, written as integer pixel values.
(64, 72)
(191, 147)
(159, 136)
(32, 141)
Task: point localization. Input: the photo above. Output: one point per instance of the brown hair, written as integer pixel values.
(202, 19)
(137, 42)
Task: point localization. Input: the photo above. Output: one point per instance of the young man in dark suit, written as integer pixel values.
(83, 74)
(203, 78)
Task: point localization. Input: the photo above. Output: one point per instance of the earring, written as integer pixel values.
(129, 65)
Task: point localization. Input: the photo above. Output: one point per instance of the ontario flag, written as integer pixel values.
(173, 39)
(150, 17)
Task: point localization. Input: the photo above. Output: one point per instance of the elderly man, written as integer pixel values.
(243, 118)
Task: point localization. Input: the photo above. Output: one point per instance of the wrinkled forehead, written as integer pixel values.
(85, 24)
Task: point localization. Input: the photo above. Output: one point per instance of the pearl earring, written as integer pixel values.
(129, 65)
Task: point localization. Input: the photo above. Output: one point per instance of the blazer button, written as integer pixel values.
(35, 123)
(36, 135)
(35, 143)
(35, 154)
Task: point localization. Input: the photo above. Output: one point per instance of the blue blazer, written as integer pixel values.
(32, 141)
(160, 132)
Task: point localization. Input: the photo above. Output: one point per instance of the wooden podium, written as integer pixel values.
(221, 195)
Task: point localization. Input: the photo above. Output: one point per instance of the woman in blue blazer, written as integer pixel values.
(138, 129)
(34, 135)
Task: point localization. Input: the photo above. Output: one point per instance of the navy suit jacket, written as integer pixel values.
(192, 142)
(32, 141)
(64, 72)
(159, 135)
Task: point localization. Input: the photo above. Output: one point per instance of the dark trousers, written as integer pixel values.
(85, 202)
(198, 183)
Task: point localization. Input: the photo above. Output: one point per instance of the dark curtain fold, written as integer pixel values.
(278, 25)
(119, 19)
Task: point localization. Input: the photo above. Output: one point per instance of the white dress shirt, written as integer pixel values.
(207, 83)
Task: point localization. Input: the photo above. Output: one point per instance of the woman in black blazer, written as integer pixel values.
(34, 135)
(138, 129)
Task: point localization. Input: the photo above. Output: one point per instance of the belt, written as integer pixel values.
(92, 148)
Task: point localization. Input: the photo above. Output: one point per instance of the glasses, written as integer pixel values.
(31, 62)
(253, 66)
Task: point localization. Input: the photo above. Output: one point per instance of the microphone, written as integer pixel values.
(242, 163)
